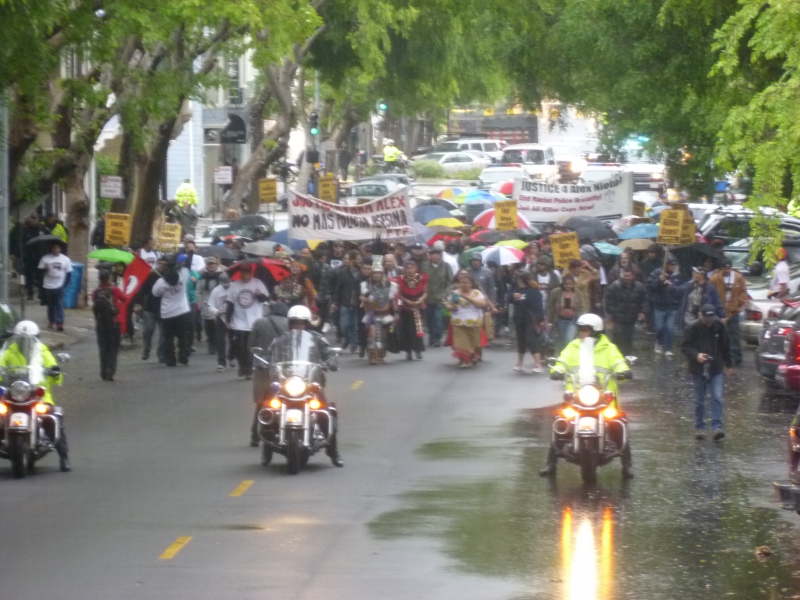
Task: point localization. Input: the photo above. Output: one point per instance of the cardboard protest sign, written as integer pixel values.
(565, 247)
(638, 208)
(671, 225)
(607, 199)
(169, 237)
(505, 215)
(118, 229)
(314, 219)
(327, 188)
(268, 190)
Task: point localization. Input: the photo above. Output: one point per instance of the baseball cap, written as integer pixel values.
(699, 270)
(188, 237)
(417, 246)
(708, 310)
(212, 259)
(726, 262)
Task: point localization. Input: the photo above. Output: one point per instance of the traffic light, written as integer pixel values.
(313, 123)
(382, 105)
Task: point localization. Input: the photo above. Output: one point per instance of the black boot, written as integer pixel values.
(266, 455)
(627, 464)
(550, 466)
(62, 449)
(333, 453)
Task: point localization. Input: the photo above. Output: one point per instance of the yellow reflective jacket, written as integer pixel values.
(12, 357)
(185, 195)
(606, 356)
(60, 232)
(391, 153)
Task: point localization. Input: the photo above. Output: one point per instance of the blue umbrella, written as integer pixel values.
(282, 238)
(640, 231)
(429, 212)
(608, 249)
(480, 195)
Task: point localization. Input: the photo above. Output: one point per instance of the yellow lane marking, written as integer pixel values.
(175, 547)
(242, 488)
(356, 385)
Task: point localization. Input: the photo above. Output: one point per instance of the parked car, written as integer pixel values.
(496, 174)
(481, 156)
(599, 171)
(454, 161)
(369, 189)
(537, 160)
(788, 493)
(569, 161)
(773, 335)
(732, 223)
(491, 147)
(216, 230)
(648, 172)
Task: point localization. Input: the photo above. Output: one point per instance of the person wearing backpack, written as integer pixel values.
(107, 300)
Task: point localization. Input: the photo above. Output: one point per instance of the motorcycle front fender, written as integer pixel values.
(19, 422)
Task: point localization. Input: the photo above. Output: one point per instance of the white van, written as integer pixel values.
(538, 161)
(490, 147)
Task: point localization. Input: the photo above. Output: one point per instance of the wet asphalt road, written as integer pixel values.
(439, 496)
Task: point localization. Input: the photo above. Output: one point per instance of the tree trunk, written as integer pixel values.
(77, 220)
(127, 170)
(150, 173)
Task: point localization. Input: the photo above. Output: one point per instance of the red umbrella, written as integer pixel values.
(266, 269)
(486, 219)
(506, 188)
(442, 237)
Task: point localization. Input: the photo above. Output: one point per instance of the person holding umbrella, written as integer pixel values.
(56, 271)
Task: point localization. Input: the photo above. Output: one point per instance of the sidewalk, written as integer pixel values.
(78, 323)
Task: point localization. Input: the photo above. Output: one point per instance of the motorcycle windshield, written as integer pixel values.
(295, 352)
(32, 375)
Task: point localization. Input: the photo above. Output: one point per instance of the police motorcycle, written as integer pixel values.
(295, 419)
(24, 416)
(589, 430)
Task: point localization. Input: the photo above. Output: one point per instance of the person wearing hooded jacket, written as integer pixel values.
(698, 293)
(24, 349)
(607, 356)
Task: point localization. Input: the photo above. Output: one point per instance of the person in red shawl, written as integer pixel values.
(411, 302)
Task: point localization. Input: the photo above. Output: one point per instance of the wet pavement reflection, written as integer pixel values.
(688, 526)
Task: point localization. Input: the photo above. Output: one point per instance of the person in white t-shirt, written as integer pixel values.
(243, 308)
(148, 253)
(56, 270)
(779, 285)
(176, 316)
(197, 262)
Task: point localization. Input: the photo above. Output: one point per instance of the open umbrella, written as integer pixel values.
(587, 228)
(640, 231)
(692, 255)
(426, 214)
(475, 196)
(608, 249)
(443, 202)
(111, 255)
(261, 248)
(635, 244)
(489, 237)
(506, 188)
(502, 255)
(518, 244)
(450, 193)
(268, 270)
(282, 238)
(220, 252)
(443, 237)
(466, 256)
(250, 221)
(46, 240)
(486, 219)
(445, 222)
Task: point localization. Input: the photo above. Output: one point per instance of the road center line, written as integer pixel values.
(356, 385)
(175, 547)
(242, 488)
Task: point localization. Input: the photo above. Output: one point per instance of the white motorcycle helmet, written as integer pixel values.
(390, 142)
(26, 328)
(299, 313)
(591, 320)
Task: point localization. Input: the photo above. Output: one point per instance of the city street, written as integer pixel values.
(439, 496)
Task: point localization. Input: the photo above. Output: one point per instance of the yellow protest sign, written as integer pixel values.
(327, 188)
(638, 208)
(671, 226)
(268, 190)
(505, 215)
(118, 229)
(565, 248)
(169, 237)
(688, 230)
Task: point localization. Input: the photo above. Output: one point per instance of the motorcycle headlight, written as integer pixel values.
(589, 395)
(295, 386)
(20, 390)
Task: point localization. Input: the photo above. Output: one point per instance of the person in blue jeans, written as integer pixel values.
(346, 287)
(666, 294)
(707, 346)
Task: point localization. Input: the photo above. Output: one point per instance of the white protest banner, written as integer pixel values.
(314, 219)
(607, 199)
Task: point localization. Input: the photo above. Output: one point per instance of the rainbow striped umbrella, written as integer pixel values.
(450, 193)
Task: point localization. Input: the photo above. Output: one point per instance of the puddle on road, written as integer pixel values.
(686, 527)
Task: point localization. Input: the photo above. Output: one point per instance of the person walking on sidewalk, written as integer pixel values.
(732, 290)
(56, 271)
(107, 301)
(706, 345)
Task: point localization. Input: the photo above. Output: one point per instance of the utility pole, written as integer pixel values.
(4, 200)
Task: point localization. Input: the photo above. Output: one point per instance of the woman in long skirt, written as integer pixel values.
(466, 305)
(411, 303)
(377, 297)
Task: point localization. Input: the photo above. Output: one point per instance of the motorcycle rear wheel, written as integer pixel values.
(294, 451)
(411, 173)
(19, 451)
(587, 457)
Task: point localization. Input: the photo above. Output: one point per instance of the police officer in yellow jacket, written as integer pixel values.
(185, 195)
(606, 356)
(391, 152)
(24, 349)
